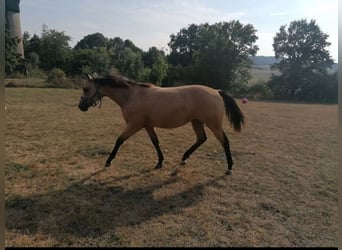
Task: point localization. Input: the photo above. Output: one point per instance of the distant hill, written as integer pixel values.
(269, 60)
(263, 60)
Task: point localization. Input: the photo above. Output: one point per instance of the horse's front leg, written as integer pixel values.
(129, 131)
(155, 141)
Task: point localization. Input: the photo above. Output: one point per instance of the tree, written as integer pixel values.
(55, 51)
(32, 48)
(32, 44)
(184, 43)
(151, 56)
(115, 48)
(216, 55)
(131, 64)
(155, 60)
(303, 60)
(90, 61)
(127, 59)
(92, 41)
(158, 70)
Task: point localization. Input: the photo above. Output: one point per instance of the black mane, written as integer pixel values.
(118, 82)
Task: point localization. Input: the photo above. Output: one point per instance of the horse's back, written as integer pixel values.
(175, 106)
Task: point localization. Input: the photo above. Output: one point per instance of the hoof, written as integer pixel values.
(158, 166)
(228, 172)
(107, 164)
(182, 163)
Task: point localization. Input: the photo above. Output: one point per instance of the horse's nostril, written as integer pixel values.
(82, 106)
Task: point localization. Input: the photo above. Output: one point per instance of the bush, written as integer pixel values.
(56, 78)
(259, 91)
(239, 89)
(78, 81)
(319, 87)
(37, 73)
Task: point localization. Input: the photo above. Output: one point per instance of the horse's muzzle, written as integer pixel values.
(83, 108)
(83, 105)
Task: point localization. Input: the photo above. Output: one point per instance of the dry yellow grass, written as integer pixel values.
(283, 190)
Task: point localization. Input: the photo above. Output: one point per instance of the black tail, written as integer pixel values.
(233, 111)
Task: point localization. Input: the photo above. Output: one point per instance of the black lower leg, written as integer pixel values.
(227, 151)
(112, 155)
(198, 143)
(198, 127)
(155, 142)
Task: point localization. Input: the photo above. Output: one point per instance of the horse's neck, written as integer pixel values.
(118, 95)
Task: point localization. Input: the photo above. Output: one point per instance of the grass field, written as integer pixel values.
(283, 190)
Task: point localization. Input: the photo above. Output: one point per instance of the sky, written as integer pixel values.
(150, 23)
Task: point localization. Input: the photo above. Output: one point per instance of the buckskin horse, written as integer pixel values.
(148, 106)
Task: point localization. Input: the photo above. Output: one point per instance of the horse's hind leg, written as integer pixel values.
(155, 141)
(223, 139)
(201, 137)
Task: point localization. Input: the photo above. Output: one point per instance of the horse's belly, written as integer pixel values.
(169, 119)
(170, 124)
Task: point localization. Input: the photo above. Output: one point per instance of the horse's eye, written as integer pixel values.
(85, 90)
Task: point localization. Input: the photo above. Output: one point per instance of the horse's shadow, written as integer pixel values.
(93, 209)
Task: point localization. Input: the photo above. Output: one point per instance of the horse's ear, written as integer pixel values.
(89, 77)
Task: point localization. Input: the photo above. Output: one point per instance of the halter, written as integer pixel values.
(96, 95)
(99, 97)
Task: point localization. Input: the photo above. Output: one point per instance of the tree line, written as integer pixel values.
(216, 55)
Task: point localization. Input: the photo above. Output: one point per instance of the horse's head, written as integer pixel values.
(91, 95)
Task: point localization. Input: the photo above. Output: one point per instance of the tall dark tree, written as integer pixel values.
(92, 41)
(184, 44)
(129, 44)
(216, 55)
(90, 61)
(55, 51)
(303, 60)
(115, 43)
(127, 58)
(32, 48)
(155, 60)
(151, 56)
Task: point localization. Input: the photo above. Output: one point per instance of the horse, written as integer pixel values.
(146, 106)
